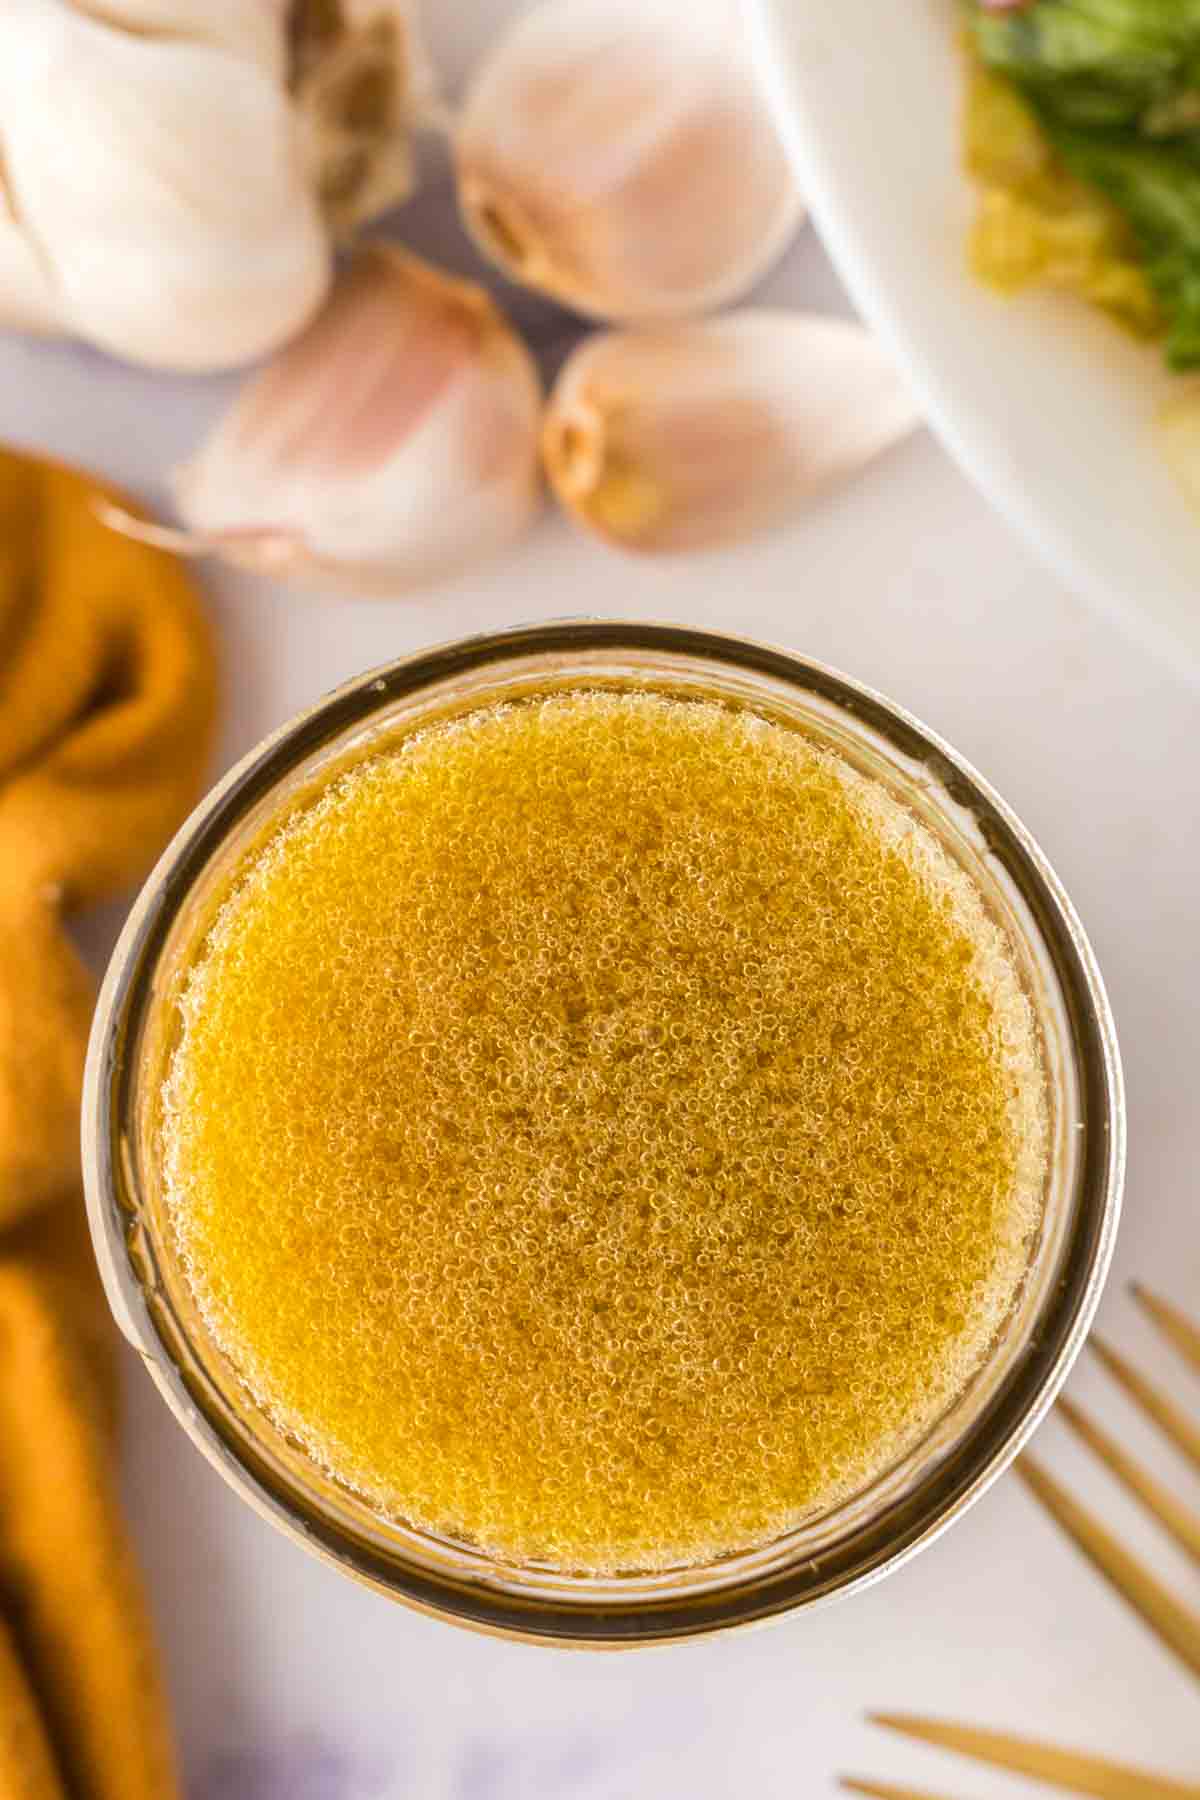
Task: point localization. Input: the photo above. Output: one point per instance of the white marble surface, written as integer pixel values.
(290, 1683)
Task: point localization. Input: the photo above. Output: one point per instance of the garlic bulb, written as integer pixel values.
(619, 155)
(393, 441)
(682, 436)
(159, 183)
(170, 170)
(356, 69)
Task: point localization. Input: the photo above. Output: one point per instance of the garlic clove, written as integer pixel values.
(679, 437)
(619, 155)
(164, 185)
(363, 84)
(394, 441)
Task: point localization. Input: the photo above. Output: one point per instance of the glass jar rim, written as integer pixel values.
(869, 1551)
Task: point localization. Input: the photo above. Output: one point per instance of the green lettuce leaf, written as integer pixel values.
(1115, 86)
(1094, 62)
(1157, 188)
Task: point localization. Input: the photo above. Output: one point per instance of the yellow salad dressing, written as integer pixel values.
(604, 1128)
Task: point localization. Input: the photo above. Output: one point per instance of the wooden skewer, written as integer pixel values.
(1177, 1627)
(1171, 1421)
(883, 1790)
(1067, 1769)
(1175, 1326)
(1175, 1518)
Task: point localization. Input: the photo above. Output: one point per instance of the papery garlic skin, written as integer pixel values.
(393, 442)
(160, 182)
(363, 85)
(686, 436)
(255, 30)
(619, 155)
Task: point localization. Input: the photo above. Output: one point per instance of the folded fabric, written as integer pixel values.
(106, 705)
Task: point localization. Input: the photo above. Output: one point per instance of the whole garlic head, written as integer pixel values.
(171, 171)
(158, 184)
(680, 437)
(393, 441)
(619, 155)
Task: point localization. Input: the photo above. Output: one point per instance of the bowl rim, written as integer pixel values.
(972, 444)
(866, 1555)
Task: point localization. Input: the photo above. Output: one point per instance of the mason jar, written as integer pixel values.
(838, 1551)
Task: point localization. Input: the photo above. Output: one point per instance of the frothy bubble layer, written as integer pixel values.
(605, 1129)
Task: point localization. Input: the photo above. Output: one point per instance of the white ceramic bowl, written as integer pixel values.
(1049, 407)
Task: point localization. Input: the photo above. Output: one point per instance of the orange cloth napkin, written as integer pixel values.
(106, 706)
